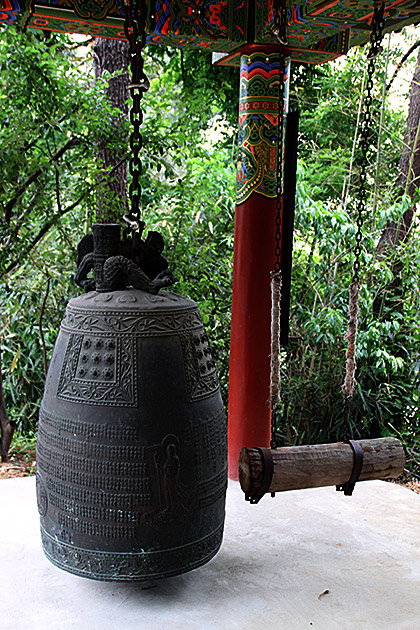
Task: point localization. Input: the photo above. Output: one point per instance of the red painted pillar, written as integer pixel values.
(249, 380)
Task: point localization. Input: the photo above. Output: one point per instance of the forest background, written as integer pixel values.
(63, 148)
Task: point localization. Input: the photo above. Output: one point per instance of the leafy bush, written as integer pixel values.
(188, 195)
(386, 400)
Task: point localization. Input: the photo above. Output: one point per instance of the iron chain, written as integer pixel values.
(280, 32)
(376, 37)
(135, 32)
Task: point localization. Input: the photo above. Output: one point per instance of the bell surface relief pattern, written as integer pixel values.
(132, 445)
(121, 487)
(130, 566)
(98, 370)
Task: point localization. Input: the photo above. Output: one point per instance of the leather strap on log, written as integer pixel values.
(267, 460)
(348, 487)
(318, 465)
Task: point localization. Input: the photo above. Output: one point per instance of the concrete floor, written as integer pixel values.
(306, 559)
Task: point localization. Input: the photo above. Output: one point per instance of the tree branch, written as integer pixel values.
(49, 224)
(57, 180)
(86, 43)
(17, 224)
(41, 315)
(401, 62)
(21, 189)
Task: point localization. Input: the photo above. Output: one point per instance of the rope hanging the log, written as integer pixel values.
(273, 470)
(275, 340)
(350, 380)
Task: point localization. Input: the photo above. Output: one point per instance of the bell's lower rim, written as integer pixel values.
(140, 567)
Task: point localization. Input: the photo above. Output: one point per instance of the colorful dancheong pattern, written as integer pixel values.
(317, 30)
(258, 118)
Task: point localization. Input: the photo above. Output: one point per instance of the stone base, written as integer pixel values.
(306, 559)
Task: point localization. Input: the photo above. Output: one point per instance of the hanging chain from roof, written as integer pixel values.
(376, 36)
(279, 30)
(135, 32)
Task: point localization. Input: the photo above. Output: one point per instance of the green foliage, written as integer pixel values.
(188, 187)
(24, 445)
(386, 401)
(188, 194)
(46, 159)
(51, 112)
(329, 102)
(195, 213)
(21, 301)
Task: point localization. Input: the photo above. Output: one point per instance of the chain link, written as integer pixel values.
(280, 31)
(376, 37)
(135, 32)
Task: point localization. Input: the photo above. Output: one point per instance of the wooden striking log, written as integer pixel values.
(313, 466)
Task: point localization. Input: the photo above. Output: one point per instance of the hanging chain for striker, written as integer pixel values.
(279, 31)
(376, 37)
(350, 380)
(135, 32)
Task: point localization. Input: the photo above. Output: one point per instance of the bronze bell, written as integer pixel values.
(131, 453)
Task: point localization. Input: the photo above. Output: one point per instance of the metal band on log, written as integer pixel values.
(313, 466)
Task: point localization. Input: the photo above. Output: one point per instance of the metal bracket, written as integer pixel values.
(348, 487)
(267, 460)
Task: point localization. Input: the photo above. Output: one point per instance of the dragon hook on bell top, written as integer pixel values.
(119, 263)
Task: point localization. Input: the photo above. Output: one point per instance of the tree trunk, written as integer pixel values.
(7, 427)
(409, 168)
(112, 57)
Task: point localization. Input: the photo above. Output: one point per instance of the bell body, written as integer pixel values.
(131, 453)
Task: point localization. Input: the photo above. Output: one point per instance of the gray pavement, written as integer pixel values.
(306, 559)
